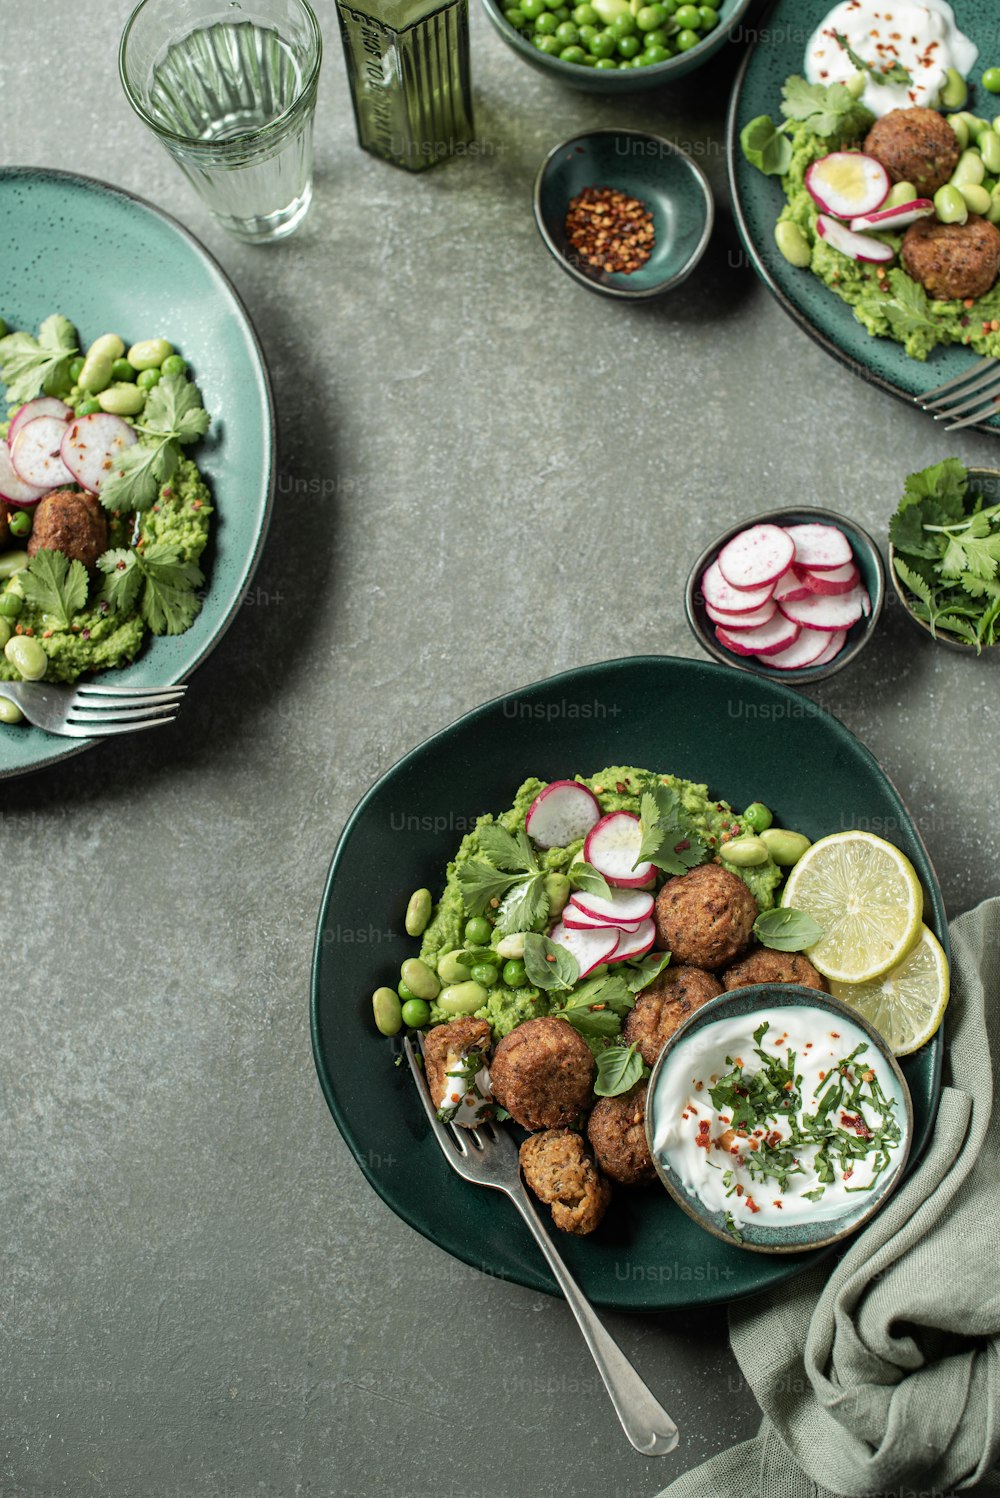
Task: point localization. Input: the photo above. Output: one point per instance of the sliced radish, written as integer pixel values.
(891, 219)
(824, 611)
(833, 580)
(756, 557)
(743, 621)
(564, 811)
(777, 634)
(854, 246)
(42, 405)
(34, 453)
(12, 488)
(792, 585)
(819, 547)
(720, 595)
(804, 651)
(590, 948)
(90, 445)
(613, 847)
(846, 183)
(866, 603)
(835, 646)
(636, 945)
(626, 906)
(576, 920)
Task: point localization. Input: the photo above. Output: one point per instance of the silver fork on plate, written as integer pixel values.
(970, 397)
(487, 1156)
(93, 711)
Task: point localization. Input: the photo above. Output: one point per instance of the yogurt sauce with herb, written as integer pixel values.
(921, 40)
(785, 1127)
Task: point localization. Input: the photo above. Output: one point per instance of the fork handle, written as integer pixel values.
(644, 1420)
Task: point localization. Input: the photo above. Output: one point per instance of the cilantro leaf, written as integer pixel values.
(27, 364)
(122, 579)
(618, 1069)
(481, 884)
(507, 850)
(786, 930)
(168, 603)
(525, 906)
(642, 973)
(823, 109)
(913, 581)
(906, 307)
(668, 839)
(173, 409)
(138, 474)
(765, 147)
(54, 584)
(548, 964)
(57, 334)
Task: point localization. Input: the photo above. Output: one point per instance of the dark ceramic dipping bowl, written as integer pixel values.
(673, 187)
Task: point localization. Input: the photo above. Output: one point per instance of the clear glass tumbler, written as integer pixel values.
(230, 90)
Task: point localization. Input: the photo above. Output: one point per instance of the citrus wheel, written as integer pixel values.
(906, 1005)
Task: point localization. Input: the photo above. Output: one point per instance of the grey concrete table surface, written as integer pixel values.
(487, 475)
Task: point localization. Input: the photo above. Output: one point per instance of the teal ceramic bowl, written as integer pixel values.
(752, 1005)
(869, 563)
(112, 262)
(984, 481)
(673, 187)
(748, 739)
(618, 80)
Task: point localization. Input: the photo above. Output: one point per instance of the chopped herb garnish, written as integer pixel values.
(465, 1072)
(895, 73)
(668, 837)
(173, 415)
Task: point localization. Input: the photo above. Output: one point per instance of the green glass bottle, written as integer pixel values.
(408, 66)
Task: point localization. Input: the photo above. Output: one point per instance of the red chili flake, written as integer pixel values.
(684, 843)
(752, 1204)
(789, 1085)
(856, 1122)
(867, 1076)
(166, 491)
(778, 1205)
(808, 1045)
(723, 1118)
(619, 788)
(834, 1034)
(47, 634)
(85, 634)
(822, 1076)
(698, 1086)
(848, 1173)
(739, 1191)
(609, 230)
(550, 957)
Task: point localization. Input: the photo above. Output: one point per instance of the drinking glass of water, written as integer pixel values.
(229, 88)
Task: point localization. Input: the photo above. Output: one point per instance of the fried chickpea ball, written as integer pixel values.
(560, 1172)
(952, 261)
(543, 1074)
(617, 1133)
(705, 917)
(665, 1005)
(915, 145)
(446, 1045)
(70, 521)
(767, 966)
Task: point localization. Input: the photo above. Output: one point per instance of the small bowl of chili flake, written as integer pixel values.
(625, 213)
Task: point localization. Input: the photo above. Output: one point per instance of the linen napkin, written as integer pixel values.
(879, 1373)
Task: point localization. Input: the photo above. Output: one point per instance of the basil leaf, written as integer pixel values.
(584, 876)
(549, 965)
(642, 973)
(787, 930)
(765, 147)
(618, 1069)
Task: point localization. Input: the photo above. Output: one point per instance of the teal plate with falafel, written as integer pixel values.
(777, 52)
(109, 261)
(748, 739)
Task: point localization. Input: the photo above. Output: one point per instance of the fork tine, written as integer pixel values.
(927, 396)
(103, 731)
(989, 392)
(97, 689)
(111, 706)
(977, 416)
(117, 715)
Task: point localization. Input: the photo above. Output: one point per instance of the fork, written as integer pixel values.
(487, 1156)
(973, 396)
(91, 712)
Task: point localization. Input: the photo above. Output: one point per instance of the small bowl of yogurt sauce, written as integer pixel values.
(778, 1119)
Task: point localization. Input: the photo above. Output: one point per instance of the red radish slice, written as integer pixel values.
(90, 445)
(743, 621)
(590, 948)
(819, 547)
(756, 557)
(636, 945)
(900, 217)
(613, 847)
(42, 405)
(718, 593)
(824, 611)
(854, 246)
(846, 183)
(576, 920)
(12, 488)
(625, 907)
(833, 580)
(804, 651)
(564, 811)
(34, 453)
(835, 646)
(866, 603)
(777, 634)
(792, 585)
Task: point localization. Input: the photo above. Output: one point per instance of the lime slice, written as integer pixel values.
(907, 1004)
(866, 896)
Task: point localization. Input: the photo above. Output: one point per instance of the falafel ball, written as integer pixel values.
(767, 966)
(705, 917)
(446, 1045)
(952, 260)
(561, 1173)
(665, 1005)
(543, 1074)
(70, 521)
(617, 1134)
(915, 145)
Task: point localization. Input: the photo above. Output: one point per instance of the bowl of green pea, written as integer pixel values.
(615, 46)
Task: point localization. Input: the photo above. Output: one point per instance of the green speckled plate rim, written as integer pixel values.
(761, 1271)
(47, 749)
(828, 321)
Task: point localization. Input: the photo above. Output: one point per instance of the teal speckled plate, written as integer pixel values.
(114, 263)
(778, 50)
(749, 739)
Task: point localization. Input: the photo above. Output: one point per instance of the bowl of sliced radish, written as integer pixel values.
(792, 594)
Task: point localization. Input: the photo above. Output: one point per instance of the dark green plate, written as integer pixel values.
(749, 739)
(757, 200)
(114, 263)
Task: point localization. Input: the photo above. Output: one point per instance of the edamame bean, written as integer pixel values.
(961, 129)
(9, 711)
(20, 524)
(994, 213)
(511, 947)
(388, 1011)
(514, 974)
(610, 10)
(418, 912)
(977, 199)
(899, 193)
(462, 998)
(149, 353)
(96, 372)
(856, 84)
(122, 400)
(786, 848)
(451, 970)
(744, 852)
(108, 343)
(6, 630)
(989, 150)
(757, 816)
(11, 605)
(11, 562)
(26, 656)
(421, 980)
(416, 1012)
(558, 889)
(478, 931)
(955, 91)
(485, 975)
(949, 205)
(970, 168)
(792, 243)
(991, 80)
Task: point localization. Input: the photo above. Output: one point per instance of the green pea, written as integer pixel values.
(960, 127)
(744, 852)
(4, 329)
(657, 38)
(11, 605)
(688, 16)
(991, 80)
(514, 974)
(20, 524)
(573, 54)
(585, 15)
(149, 353)
(11, 562)
(856, 84)
(88, 407)
(75, 367)
(403, 991)
(9, 711)
(628, 46)
(462, 998)
(546, 44)
(122, 400)
(546, 25)
(792, 242)
(587, 34)
(568, 34)
(478, 931)
(655, 53)
(532, 8)
(558, 889)
(26, 656)
(709, 17)
(955, 92)
(899, 193)
(415, 1013)
(122, 370)
(606, 62)
(96, 372)
(621, 27)
(421, 980)
(994, 213)
(484, 974)
(757, 816)
(950, 206)
(687, 39)
(786, 848)
(388, 1011)
(6, 630)
(649, 17)
(970, 168)
(602, 45)
(516, 18)
(977, 199)
(511, 946)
